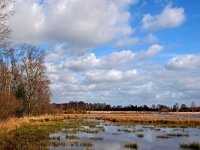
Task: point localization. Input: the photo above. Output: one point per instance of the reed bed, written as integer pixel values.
(131, 117)
(181, 122)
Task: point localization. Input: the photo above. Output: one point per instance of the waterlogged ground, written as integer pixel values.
(101, 135)
(177, 116)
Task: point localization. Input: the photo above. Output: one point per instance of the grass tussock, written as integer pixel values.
(71, 137)
(86, 144)
(153, 128)
(129, 130)
(96, 138)
(71, 144)
(192, 146)
(164, 136)
(170, 135)
(178, 135)
(116, 133)
(140, 135)
(131, 146)
(57, 143)
(54, 137)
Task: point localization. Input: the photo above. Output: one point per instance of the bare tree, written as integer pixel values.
(176, 107)
(8, 102)
(34, 80)
(4, 28)
(4, 34)
(22, 73)
(193, 106)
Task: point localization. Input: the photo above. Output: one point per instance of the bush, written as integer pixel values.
(8, 106)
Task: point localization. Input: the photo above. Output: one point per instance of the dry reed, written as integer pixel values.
(134, 117)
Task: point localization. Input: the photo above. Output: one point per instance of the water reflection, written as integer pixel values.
(114, 137)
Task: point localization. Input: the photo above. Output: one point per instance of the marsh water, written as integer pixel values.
(177, 116)
(110, 136)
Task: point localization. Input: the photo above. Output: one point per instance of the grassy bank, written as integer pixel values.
(30, 136)
(37, 135)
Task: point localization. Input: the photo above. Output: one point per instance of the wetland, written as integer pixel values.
(96, 134)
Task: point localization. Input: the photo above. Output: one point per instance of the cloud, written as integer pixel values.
(150, 39)
(109, 75)
(89, 61)
(170, 17)
(127, 41)
(83, 63)
(121, 77)
(153, 50)
(84, 23)
(185, 62)
(125, 77)
(133, 41)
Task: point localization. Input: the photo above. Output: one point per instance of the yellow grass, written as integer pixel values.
(13, 123)
(136, 117)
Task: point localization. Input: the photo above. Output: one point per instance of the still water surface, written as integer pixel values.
(114, 137)
(177, 116)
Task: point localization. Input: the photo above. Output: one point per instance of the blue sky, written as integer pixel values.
(115, 51)
(179, 40)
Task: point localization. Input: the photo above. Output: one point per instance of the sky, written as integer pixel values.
(118, 52)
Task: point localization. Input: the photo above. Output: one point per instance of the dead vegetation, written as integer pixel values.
(131, 117)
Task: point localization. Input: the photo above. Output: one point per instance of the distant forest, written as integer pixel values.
(80, 106)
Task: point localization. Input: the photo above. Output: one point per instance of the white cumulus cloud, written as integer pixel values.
(185, 62)
(76, 22)
(170, 17)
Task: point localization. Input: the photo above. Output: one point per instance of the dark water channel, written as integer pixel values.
(114, 137)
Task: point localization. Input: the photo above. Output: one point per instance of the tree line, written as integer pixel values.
(24, 86)
(80, 106)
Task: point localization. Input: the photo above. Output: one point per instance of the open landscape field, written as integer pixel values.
(99, 75)
(121, 130)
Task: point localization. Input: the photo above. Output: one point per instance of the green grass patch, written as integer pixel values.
(91, 131)
(33, 136)
(100, 128)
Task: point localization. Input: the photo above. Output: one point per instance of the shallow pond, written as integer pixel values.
(177, 116)
(101, 135)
